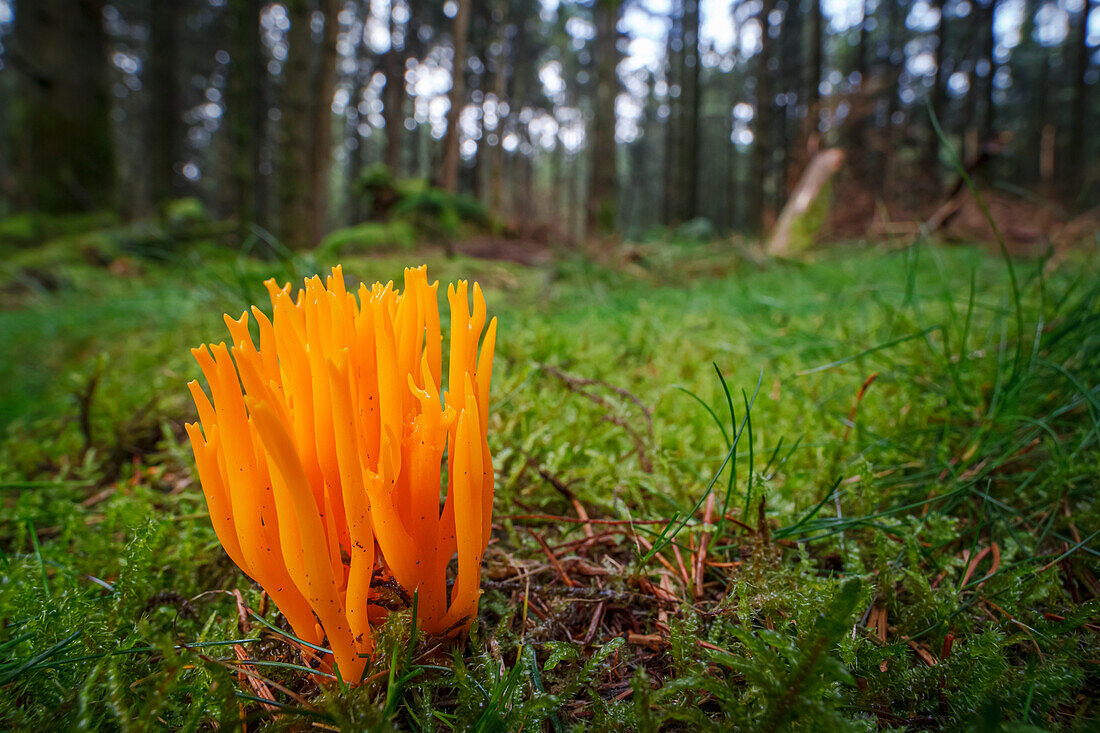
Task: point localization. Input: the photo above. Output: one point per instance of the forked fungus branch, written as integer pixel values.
(325, 471)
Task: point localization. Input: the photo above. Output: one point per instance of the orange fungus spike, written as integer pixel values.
(321, 455)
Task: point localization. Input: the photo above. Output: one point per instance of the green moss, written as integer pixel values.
(437, 214)
(32, 228)
(179, 214)
(369, 237)
(953, 447)
(375, 177)
(804, 228)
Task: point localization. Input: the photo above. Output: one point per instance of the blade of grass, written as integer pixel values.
(961, 170)
(8, 676)
(872, 350)
(41, 562)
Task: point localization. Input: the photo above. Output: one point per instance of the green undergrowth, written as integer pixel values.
(403, 212)
(898, 466)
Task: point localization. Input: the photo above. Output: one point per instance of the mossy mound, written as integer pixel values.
(369, 237)
(433, 214)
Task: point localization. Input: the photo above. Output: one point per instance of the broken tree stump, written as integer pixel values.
(795, 227)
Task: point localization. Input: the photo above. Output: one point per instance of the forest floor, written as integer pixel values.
(854, 493)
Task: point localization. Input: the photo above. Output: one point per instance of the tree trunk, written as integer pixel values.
(578, 220)
(817, 42)
(554, 199)
(164, 116)
(939, 94)
(690, 132)
(988, 116)
(449, 177)
(356, 153)
(261, 132)
(500, 91)
(8, 185)
(294, 179)
(811, 137)
(603, 182)
(528, 207)
(737, 91)
(65, 150)
(971, 110)
(242, 101)
(762, 153)
(1079, 114)
(523, 80)
(477, 178)
(393, 101)
(648, 163)
(673, 192)
(789, 52)
(895, 27)
(1029, 70)
(856, 129)
(321, 140)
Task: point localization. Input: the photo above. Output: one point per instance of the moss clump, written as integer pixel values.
(181, 214)
(439, 215)
(369, 237)
(804, 228)
(22, 230)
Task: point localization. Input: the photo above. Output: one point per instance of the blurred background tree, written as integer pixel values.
(564, 119)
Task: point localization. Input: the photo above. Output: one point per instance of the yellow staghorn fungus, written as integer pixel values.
(321, 451)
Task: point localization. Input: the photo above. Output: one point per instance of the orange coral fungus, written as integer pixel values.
(323, 474)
